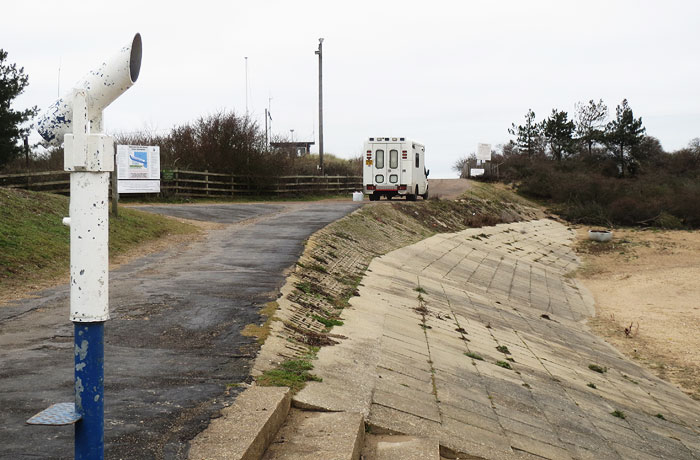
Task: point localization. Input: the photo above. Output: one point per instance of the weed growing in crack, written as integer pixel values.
(597, 368)
(474, 356)
(328, 322)
(504, 364)
(304, 287)
(503, 349)
(293, 373)
(319, 268)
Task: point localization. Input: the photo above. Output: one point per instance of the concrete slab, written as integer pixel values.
(246, 428)
(387, 447)
(314, 435)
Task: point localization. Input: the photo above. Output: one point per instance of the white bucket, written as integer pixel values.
(600, 235)
(357, 196)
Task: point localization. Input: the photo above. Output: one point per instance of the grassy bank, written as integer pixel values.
(34, 245)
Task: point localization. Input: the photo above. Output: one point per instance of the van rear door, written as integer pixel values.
(387, 171)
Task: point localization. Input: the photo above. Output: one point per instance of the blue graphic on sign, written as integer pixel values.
(139, 160)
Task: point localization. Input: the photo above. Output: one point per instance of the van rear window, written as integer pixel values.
(379, 159)
(393, 159)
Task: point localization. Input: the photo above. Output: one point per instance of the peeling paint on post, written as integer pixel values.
(76, 120)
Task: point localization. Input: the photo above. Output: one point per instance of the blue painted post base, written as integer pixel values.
(89, 390)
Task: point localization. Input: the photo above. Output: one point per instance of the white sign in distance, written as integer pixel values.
(138, 169)
(483, 152)
(476, 172)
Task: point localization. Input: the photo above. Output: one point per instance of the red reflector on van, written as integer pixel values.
(402, 187)
(370, 187)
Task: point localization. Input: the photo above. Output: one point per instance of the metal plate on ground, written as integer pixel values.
(58, 414)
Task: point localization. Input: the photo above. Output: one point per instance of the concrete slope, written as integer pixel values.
(478, 340)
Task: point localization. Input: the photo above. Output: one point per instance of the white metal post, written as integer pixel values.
(76, 120)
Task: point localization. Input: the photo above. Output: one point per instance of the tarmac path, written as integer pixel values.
(174, 339)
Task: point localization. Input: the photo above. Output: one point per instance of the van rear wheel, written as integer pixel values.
(374, 197)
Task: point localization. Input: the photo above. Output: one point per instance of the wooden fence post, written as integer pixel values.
(176, 175)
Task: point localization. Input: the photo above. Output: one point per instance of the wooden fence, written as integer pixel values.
(179, 182)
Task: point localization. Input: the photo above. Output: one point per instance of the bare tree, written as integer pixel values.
(462, 165)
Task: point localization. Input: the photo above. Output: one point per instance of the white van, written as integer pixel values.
(394, 166)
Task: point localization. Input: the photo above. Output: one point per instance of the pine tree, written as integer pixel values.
(13, 81)
(590, 122)
(622, 135)
(559, 133)
(529, 135)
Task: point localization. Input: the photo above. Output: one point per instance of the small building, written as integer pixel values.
(298, 148)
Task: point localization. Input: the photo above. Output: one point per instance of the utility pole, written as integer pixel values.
(269, 115)
(246, 86)
(266, 128)
(319, 52)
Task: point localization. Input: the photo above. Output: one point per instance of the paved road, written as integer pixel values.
(173, 342)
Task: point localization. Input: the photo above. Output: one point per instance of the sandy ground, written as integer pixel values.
(648, 282)
(448, 189)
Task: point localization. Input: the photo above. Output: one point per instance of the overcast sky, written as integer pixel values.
(450, 74)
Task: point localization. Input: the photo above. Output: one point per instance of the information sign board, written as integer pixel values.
(138, 169)
(483, 152)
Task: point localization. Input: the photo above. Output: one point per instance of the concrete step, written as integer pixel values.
(246, 428)
(395, 447)
(318, 435)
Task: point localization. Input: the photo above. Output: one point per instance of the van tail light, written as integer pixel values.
(402, 187)
(369, 187)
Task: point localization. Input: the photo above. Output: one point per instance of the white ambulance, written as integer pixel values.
(394, 166)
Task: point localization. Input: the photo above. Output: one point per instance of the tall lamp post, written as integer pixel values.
(319, 52)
